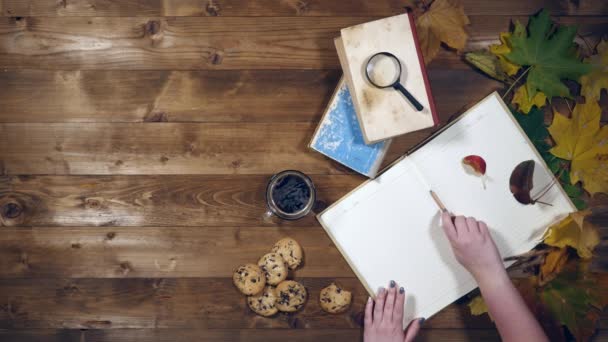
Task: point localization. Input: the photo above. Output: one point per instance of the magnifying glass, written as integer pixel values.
(384, 70)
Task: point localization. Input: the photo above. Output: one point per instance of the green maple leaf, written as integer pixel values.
(550, 54)
(534, 126)
(576, 298)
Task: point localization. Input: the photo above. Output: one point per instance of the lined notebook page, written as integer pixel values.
(389, 228)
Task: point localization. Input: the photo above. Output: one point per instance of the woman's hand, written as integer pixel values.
(384, 317)
(473, 246)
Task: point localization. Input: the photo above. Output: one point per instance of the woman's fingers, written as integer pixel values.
(461, 225)
(399, 304)
(369, 307)
(472, 224)
(448, 226)
(379, 305)
(389, 304)
(413, 329)
(483, 227)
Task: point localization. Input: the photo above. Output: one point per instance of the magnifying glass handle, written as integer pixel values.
(409, 96)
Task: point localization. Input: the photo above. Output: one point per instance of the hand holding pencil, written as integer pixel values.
(471, 243)
(474, 249)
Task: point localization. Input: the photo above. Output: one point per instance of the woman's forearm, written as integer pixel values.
(512, 316)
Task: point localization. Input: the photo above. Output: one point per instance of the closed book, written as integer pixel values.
(386, 113)
(339, 137)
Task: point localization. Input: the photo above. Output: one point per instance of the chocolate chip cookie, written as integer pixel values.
(290, 250)
(249, 279)
(291, 296)
(264, 303)
(274, 268)
(334, 299)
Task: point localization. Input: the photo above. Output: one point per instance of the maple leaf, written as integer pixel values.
(552, 265)
(533, 125)
(528, 288)
(581, 140)
(525, 103)
(576, 298)
(593, 83)
(478, 306)
(443, 21)
(550, 54)
(487, 63)
(575, 232)
(500, 50)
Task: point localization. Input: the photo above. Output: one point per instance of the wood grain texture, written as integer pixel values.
(331, 8)
(173, 201)
(187, 43)
(169, 252)
(28, 96)
(232, 335)
(209, 303)
(168, 148)
(136, 140)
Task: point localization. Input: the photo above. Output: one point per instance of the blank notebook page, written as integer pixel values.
(389, 228)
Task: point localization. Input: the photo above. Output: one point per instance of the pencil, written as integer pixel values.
(438, 201)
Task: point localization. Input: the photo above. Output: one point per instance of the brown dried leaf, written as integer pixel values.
(443, 22)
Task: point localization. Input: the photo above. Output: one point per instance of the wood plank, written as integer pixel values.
(208, 303)
(198, 96)
(168, 148)
(280, 8)
(170, 252)
(148, 201)
(187, 43)
(174, 43)
(230, 335)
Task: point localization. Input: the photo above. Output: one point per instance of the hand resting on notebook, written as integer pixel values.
(474, 249)
(384, 317)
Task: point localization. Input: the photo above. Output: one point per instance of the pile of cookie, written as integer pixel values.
(268, 290)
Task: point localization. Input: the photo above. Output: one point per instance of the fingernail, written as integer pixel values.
(392, 283)
(421, 321)
(369, 299)
(380, 290)
(401, 290)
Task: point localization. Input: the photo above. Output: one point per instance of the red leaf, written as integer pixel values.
(477, 163)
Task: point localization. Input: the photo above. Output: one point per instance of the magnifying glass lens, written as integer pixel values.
(383, 70)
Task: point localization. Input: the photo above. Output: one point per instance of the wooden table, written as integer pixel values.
(136, 139)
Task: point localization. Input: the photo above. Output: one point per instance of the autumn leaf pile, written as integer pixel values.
(538, 64)
(534, 62)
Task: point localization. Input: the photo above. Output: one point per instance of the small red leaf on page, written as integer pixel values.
(477, 163)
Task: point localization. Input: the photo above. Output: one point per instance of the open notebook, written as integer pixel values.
(389, 228)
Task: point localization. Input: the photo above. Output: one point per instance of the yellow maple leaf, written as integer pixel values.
(523, 101)
(444, 22)
(573, 231)
(478, 306)
(593, 82)
(581, 140)
(553, 264)
(500, 50)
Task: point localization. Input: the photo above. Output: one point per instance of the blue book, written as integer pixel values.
(339, 136)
